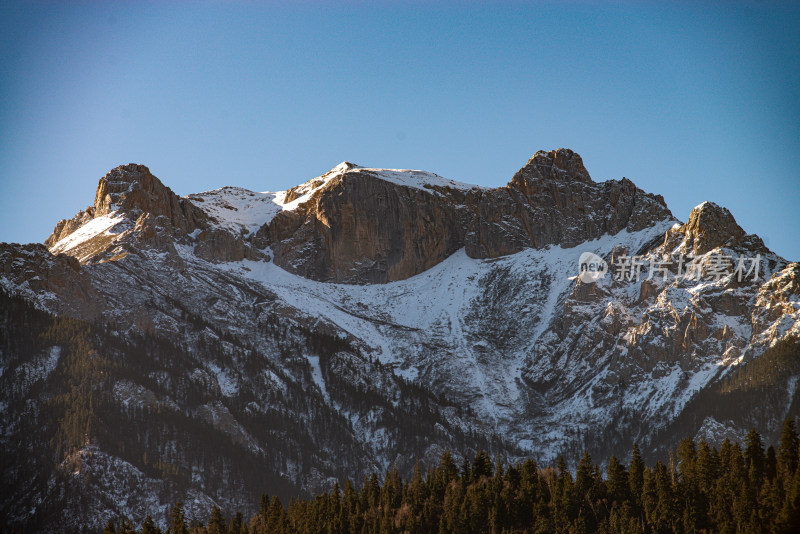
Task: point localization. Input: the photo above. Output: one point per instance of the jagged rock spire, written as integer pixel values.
(562, 164)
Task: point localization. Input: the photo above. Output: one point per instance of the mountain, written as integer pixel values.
(210, 347)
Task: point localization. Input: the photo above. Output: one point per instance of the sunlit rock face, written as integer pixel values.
(373, 225)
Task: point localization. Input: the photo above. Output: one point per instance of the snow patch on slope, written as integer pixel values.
(316, 375)
(98, 227)
(237, 209)
(417, 179)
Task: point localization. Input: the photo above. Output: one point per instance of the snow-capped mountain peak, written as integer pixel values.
(376, 316)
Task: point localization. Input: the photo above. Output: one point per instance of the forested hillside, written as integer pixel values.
(699, 488)
(89, 413)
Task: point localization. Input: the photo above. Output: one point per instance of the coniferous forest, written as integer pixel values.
(734, 488)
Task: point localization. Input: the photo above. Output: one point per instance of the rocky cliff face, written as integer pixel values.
(711, 226)
(56, 283)
(134, 211)
(372, 316)
(362, 228)
(133, 189)
(552, 200)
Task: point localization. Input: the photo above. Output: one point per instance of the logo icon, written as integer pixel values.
(592, 267)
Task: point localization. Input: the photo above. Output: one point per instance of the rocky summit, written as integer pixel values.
(211, 347)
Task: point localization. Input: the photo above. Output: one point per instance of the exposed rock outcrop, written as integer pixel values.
(561, 165)
(133, 188)
(56, 282)
(552, 201)
(136, 210)
(360, 228)
(776, 313)
(710, 226)
(153, 217)
(219, 245)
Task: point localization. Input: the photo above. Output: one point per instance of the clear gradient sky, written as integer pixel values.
(693, 102)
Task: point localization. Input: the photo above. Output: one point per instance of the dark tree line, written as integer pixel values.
(731, 489)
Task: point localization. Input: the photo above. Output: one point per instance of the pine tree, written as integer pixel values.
(583, 476)
(664, 513)
(688, 491)
(417, 491)
(771, 464)
(636, 478)
(788, 519)
(687, 457)
(216, 524)
(149, 526)
(264, 504)
(618, 484)
(788, 450)
(481, 466)
(706, 468)
(447, 467)
(178, 520)
(275, 516)
(373, 492)
(564, 502)
(754, 458)
(237, 525)
(126, 527)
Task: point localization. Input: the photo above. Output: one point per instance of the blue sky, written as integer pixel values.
(693, 102)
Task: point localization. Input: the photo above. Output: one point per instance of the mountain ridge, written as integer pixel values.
(353, 322)
(404, 221)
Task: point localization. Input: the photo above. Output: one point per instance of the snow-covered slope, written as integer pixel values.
(442, 307)
(416, 179)
(237, 209)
